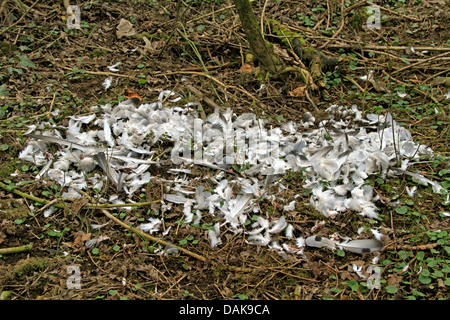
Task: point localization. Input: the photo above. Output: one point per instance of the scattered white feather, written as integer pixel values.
(214, 236)
(278, 226)
(411, 191)
(49, 211)
(107, 83)
(152, 226)
(290, 206)
(447, 95)
(336, 157)
(358, 270)
(113, 68)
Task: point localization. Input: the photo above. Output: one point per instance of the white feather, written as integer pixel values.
(152, 226)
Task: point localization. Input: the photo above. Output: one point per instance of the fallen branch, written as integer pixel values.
(62, 203)
(378, 47)
(151, 238)
(19, 249)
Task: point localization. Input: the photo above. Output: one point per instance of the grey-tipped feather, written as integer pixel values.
(319, 242)
(362, 245)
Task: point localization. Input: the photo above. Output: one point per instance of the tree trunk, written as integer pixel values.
(262, 51)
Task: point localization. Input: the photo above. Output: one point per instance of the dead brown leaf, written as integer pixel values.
(81, 238)
(298, 92)
(247, 68)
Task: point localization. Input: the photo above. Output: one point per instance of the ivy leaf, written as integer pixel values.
(3, 91)
(391, 289)
(25, 62)
(353, 285)
(420, 255)
(401, 210)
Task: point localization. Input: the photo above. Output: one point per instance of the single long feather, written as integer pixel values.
(362, 245)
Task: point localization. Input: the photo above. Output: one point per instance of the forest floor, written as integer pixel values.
(45, 66)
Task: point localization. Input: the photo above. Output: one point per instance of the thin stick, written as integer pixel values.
(151, 238)
(20, 19)
(420, 62)
(216, 81)
(393, 12)
(311, 101)
(61, 204)
(340, 28)
(102, 73)
(377, 47)
(262, 17)
(214, 12)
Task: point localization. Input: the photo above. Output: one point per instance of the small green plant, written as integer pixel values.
(190, 238)
(308, 21)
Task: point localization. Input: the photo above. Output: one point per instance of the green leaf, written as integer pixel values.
(401, 210)
(3, 91)
(353, 285)
(25, 62)
(112, 292)
(391, 289)
(447, 282)
(420, 255)
(53, 233)
(437, 274)
(424, 279)
(445, 268)
(419, 294)
(24, 48)
(95, 251)
(19, 221)
(403, 254)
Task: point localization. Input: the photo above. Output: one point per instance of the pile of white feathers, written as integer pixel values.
(335, 155)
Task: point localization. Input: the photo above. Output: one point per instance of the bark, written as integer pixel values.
(263, 51)
(260, 49)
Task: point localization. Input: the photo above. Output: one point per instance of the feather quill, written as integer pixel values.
(110, 172)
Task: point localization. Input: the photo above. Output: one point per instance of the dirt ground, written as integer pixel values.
(44, 66)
